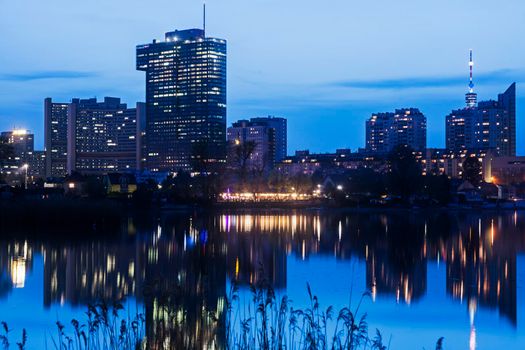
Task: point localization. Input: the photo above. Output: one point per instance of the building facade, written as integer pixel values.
(103, 136)
(55, 138)
(22, 144)
(185, 100)
(385, 131)
(487, 126)
(36, 162)
(280, 127)
(268, 136)
(256, 142)
(342, 160)
(504, 170)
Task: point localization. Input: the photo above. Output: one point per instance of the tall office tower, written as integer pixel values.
(262, 150)
(55, 138)
(507, 103)
(385, 131)
(102, 136)
(281, 134)
(185, 100)
(489, 126)
(22, 143)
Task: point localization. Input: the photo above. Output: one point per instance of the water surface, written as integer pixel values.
(456, 275)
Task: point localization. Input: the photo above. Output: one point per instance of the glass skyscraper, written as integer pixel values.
(185, 101)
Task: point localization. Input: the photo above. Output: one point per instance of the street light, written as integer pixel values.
(25, 166)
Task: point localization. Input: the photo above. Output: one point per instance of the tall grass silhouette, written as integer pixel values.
(264, 322)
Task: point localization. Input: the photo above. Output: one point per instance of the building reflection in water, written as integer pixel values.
(178, 266)
(16, 261)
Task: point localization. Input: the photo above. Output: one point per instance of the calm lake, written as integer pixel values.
(457, 275)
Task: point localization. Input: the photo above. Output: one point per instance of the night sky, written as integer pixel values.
(324, 65)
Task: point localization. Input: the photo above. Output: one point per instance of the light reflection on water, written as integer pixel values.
(457, 275)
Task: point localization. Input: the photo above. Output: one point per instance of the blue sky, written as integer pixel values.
(325, 65)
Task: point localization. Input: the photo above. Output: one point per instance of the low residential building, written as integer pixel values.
(439, 161)
(304, 162)
(120, 183)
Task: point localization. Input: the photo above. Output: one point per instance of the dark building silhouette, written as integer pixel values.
(185, 100)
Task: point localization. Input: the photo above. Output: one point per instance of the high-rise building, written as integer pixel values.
(185, 100)
(459, 131)
(104, 136)
(484, 126)
(21, 140)
(488, 126)
(22, 143)
(507, 103)
(281, 134)
(260, 154)
(55, 138)
(385, 131)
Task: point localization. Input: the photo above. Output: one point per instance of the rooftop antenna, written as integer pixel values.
(471, 65)
(204, 18)
(471, 98)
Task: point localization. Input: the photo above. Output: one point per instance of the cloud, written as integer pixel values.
(499, 76)
(42, 75)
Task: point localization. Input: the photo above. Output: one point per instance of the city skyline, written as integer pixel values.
(341, 89)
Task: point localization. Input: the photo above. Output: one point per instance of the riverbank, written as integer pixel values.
(330, 205)
(62, 214)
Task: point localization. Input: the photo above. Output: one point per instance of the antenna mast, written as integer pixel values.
(471, 65)
(204, 18)
(471, 98)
